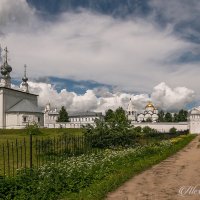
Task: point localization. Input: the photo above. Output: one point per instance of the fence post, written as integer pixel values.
(31, 151)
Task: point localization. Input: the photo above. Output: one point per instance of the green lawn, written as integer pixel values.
(17, 155)
(20, 134)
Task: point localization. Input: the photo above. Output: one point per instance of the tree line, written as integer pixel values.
(180, 116)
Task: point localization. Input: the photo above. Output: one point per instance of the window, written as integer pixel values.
(38, 119)
(25, 119)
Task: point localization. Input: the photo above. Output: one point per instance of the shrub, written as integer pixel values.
(138, 129)
(33, 129)
(149, 131)
(173, 130)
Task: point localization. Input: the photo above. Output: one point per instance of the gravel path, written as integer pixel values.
(178, 175)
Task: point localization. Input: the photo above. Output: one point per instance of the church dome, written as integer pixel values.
(3, 71)
(24, 79)
(150, 105)
(8, 67)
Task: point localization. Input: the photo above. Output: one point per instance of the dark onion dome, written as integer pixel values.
(7, 75)
(3, 70)
(8, 67)
(24, 79)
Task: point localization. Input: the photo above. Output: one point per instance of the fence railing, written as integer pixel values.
(32, 152)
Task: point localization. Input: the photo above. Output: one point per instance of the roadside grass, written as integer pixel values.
(126, 169)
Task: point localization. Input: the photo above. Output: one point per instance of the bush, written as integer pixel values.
(173, 130)
(33, 129)
(138, 129)
(147, 131)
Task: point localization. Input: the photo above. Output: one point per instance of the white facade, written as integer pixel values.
(194, 120)
(17, 107)
(76, 120)
(150, 113)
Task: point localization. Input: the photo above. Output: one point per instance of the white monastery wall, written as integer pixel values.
(164, 127)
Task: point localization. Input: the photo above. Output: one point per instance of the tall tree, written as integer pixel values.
(168, 117)
(109, 115)
(182, 115)
(63, 115)
(161, 116)
(176, 117)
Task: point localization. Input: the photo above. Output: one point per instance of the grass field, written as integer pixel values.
(15, 147)
(12, 134)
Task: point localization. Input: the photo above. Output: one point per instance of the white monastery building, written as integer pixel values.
(76, 120)
(150, 114)
(17, 107)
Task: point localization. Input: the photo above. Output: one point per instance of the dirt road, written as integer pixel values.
(176, 178)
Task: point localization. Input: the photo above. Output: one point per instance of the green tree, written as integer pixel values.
(176, 117)
(115, 132)
(109, 115)
(168, 117)
(161, 116)
(182, 115)
(120, 118)
(63, 115)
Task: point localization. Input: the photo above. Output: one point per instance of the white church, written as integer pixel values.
(150, 113)
(149, 117)
(19, 107)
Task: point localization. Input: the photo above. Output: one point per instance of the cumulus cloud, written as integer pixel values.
(171, 98)
(162, 96)
(132, 54)
(16, 16)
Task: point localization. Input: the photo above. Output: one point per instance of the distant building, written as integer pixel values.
(150, 114)
(50, 116)
(17, 107)
(76, 120)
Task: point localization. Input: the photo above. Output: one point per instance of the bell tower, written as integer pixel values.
(6, 69)
(24, 84)
(131, 111)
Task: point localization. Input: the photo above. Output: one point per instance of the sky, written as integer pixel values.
(95, 55)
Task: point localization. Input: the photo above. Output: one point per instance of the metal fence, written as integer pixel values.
(33, 153)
